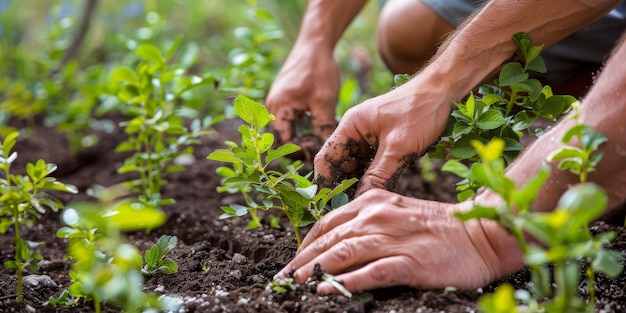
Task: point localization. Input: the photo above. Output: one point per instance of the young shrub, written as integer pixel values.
(562, 233)
(506, 110)
(295, 195)
(105, 268)
(157, 132)
(23, 201)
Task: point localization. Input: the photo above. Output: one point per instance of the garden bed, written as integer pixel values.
(223, 267)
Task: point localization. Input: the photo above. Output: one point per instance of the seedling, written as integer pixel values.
(579, 160)
(281, 285)
(156, 130)
(23, 201)
(289, 192)
(155, 257)
(562, 231)
(106, 269)
(491, 113)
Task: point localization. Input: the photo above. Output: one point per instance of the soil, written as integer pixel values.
(240, 262)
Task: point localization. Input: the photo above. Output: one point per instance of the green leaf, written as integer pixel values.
(265, 142)
(607, 262)
(281, 151)
(491, 119)
(537, 65)
(252, 112)
(308, 192)
(478, 211)
(400, 79)
(461, 128)
(533, 53)
(125, 75)
(523, 42)
(224, 155)
(149, 52)
(586, 201)
(591, 140)
(457, 168)
(463, 148)
(512, 73)
(132, 216)
(565, 153)
(168, 266)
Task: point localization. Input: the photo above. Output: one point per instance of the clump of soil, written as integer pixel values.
(224, 267)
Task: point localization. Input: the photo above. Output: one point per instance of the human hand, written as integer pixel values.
(380, 137)
(305, 89)
(383, 239)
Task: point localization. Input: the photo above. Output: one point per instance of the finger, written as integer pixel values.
(336, 255)
(386, 272)
(321, 228)
(324, 122)
(284, 123)
(385, 169)
(344, 155)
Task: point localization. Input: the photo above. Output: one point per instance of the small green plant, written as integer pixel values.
(505, 109)
(579, 160)
(105, 268)
(155, 259)
(252, 61)
(157, 132)
(563, 231)
(23, 201)
(295, 195)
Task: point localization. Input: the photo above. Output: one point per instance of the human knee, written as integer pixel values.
(408, 34)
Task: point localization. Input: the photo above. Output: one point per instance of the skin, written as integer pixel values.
(413, 242)
(383, 239)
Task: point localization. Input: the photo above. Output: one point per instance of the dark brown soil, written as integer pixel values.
(240, 262)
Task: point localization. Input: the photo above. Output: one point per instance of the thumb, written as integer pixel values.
(385, 169)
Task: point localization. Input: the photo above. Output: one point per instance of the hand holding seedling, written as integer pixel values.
(382, 239)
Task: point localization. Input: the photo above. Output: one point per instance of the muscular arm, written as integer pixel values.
(393, 129)
(485, 39)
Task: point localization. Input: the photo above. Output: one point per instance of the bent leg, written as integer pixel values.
(408, 34)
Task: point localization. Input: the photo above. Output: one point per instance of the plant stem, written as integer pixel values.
(18, 248)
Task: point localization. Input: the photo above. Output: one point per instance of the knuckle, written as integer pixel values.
(343, 252)
(383, 272)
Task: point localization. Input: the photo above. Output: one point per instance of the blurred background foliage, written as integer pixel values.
(56, 57)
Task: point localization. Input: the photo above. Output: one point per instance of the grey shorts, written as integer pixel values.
(589, 46)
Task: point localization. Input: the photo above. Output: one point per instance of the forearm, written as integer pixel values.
(486, 38)
(604, 109)
(325, 21)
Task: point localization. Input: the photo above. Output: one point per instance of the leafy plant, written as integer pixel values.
(579, 160)
(252, 61)
(155, 259)
(157, 132)
(23, 201)
(295, 195)
(503, 110)
(105, 268)
(562, 231)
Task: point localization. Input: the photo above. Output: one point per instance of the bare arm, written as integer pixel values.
(393, 129)
(309, 80)
(604, 109)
